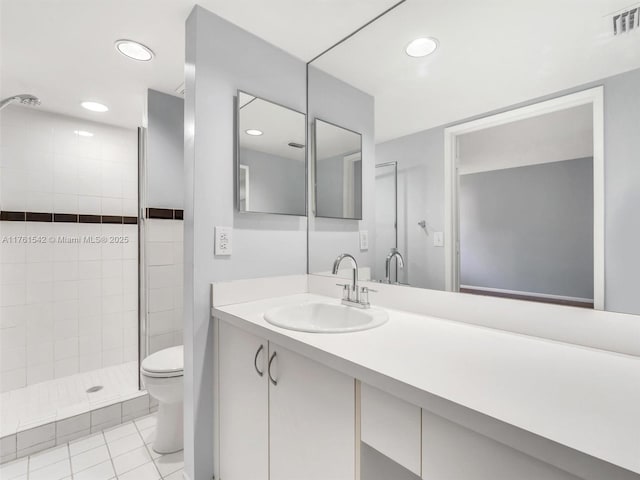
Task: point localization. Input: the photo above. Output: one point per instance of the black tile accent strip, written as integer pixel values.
(39, 217)
(65, 217)
(89, 219)
(178, 214)
(12, 216)
(111, 219)
(162, 213)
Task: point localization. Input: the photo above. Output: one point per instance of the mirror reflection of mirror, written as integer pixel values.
(338, 171)
(271, 173)
(516, 165)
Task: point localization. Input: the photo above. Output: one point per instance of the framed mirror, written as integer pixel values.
(271, 157)
(338, 171)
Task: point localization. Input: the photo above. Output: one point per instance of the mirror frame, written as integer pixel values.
(236, 169)
(315, 170)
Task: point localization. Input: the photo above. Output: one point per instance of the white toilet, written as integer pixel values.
(162, 374)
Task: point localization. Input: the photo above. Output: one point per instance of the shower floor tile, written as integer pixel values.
(66, 397)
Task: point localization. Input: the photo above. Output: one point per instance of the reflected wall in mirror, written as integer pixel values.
(338, 171)
(526, 225)
(547, 202)
(271, 169)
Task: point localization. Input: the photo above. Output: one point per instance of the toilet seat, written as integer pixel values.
(165, 363)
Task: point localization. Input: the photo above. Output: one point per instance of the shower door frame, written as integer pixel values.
(143, 327)
(394, 164)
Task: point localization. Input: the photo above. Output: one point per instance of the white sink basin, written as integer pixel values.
(325, 318)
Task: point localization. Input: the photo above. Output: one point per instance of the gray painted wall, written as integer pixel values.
(339, 103)
(529, 229)
(221, 58)
(276, 184)
(422, 154)
(165, 150)
(329, 186)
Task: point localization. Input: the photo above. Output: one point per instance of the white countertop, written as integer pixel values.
(583, 398)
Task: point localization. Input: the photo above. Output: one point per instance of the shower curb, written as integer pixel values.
(50, 434)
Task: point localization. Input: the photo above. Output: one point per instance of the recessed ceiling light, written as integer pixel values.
(421, 47)
(95, 107)
(253, 132)
(134, 50)
(83, 133)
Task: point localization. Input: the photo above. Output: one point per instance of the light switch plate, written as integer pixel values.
(438, 239)
(223, 240)
(364, 240)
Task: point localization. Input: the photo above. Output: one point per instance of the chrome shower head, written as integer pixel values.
(24, 99)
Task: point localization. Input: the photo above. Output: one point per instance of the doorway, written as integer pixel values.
(499, 160)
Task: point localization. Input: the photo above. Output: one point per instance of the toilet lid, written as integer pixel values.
(169, 361)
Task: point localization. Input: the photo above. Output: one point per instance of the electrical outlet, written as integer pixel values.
(438, 239)
(223, 241)
(364, 240)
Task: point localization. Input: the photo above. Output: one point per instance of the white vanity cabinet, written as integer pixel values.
(392, 426)
(243, 405)
(296, 420)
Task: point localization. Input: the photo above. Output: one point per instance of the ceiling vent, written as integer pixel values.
(295, 145)
(626, 20)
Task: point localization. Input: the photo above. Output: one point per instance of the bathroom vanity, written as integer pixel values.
(423, 391)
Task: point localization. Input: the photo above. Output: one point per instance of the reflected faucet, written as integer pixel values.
(394, 252)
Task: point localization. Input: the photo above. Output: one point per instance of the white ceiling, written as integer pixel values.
(332, 141)
(62, 50)
(492, 54)
(279, 126)
(553, 137)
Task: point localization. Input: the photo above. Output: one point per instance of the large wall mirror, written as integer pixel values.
(338, 171)
(506, 167)
(271, 156)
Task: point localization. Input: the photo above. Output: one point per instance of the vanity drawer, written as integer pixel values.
(392, 426)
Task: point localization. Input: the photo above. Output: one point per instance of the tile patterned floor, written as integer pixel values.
(65, 397)
(123, 452)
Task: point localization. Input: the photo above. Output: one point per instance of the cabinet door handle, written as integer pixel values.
(273, 380)
(255, 360)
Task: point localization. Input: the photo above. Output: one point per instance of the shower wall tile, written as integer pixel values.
(164, 269)
(66, 288)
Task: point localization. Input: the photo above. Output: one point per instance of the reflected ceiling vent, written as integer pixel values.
(626, 20)
(180, 89)
(295, 145)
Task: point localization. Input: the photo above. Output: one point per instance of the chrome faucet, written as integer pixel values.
(352, 295)
(387, 264)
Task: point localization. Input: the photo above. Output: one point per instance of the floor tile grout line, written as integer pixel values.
(143, 443)
(113, 465)
(153, 460)
(69, 453)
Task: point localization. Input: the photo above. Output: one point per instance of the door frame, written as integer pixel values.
(593, 97)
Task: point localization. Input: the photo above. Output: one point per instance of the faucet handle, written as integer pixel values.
(364, 295)
(346, 288)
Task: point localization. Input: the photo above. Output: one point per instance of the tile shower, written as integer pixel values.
(69, 278)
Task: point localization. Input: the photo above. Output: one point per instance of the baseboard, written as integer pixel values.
(532, 296)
